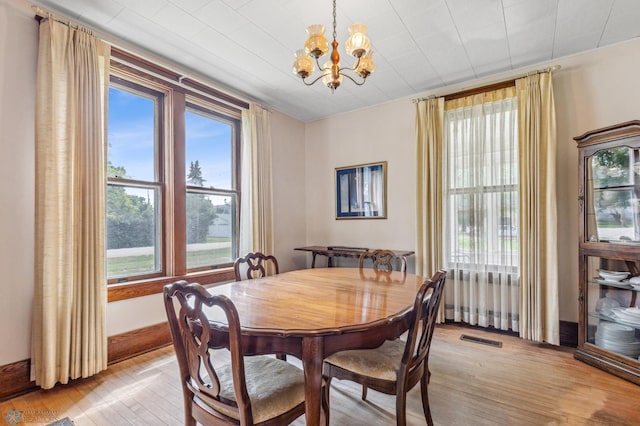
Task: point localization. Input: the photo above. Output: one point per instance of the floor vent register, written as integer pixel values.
(474, 339)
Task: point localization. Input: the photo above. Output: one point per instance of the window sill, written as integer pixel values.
(130, 290)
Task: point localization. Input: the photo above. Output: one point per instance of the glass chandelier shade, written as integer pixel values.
(332, 73)
(358, 43)
(303, 64)
(317, 44)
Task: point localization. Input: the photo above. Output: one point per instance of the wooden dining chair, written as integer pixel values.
(384, 260)
(255, 265)
(397, 366)
(245, 390)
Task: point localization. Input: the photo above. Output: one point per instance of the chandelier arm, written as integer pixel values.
(352, 79)
(318, 78)
(355, 67)
(320, 67)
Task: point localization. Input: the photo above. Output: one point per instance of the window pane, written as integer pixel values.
(131, 135)
(209, 145)
(211, 228)
(133, 242)
(482, 178)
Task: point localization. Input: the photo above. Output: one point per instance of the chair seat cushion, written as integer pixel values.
(274, 386)
(381, 363)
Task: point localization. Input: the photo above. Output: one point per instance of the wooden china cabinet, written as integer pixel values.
(609, 249)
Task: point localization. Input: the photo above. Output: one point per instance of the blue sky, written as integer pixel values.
(131, 140)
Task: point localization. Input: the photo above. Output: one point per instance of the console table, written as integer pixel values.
(343, 251)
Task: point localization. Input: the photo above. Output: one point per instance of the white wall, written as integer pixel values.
(288, 162)
(382, 133)
(18, 56)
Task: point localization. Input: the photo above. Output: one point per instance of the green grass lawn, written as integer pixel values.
(144, 264)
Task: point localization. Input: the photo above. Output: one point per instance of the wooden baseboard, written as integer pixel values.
(127, 345)
(568, 333)
(15, 377)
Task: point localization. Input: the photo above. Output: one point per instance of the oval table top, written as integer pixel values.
(321, 301)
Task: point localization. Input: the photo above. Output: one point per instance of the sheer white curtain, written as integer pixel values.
(481, 241)
(256, 221)
(69, 337)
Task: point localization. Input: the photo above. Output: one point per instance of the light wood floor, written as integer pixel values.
(471, 384)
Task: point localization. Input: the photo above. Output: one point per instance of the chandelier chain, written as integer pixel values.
(335, 34)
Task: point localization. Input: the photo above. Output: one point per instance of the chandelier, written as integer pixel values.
(357, 45)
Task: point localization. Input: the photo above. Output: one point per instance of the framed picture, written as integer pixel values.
(361, 191)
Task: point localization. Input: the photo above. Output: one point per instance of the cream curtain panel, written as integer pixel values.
(429, 187)
(256, 221)
(69, 335)
(538, 217)
(480, 142)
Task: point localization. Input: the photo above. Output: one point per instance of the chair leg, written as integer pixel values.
(326, 400)
(401, 408)
(424, 390)
(364, 392)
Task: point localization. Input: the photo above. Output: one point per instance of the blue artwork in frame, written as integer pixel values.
(361, 191)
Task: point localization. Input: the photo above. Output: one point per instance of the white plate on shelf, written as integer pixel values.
(613, 275)
(628, 315)
(615, 331)
(631, 349)
(619, 284)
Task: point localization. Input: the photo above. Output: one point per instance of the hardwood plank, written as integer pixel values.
(471, 384)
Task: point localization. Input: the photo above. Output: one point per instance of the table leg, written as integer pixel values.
(312, 357)
(313, 260)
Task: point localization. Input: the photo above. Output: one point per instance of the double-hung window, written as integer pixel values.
(173, 179)
(481, 238)
(134, 182)
(212, 196)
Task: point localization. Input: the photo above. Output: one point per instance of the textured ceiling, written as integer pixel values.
(247, 46)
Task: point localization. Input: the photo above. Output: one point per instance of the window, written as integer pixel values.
(481, 238)
(482, 185)
(134, 183)
(212, 197)
(173, 181)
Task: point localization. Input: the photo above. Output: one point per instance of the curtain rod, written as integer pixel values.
(500, 83)
(43, 13)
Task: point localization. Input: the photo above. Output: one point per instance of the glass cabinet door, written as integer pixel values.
(613, 320)
(613, 196)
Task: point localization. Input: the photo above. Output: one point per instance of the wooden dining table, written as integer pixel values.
(313, 313)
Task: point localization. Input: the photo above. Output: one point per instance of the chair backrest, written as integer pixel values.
(195, 342)
(255, 265)
(383, 260)
(424, 316)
